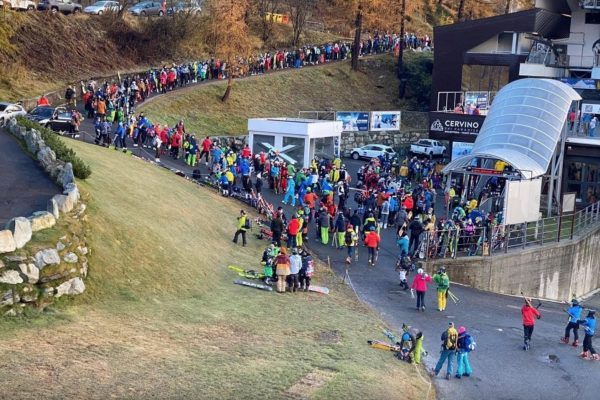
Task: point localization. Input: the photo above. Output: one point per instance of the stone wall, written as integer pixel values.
(398, 140)
(555, 271)
(30, 271)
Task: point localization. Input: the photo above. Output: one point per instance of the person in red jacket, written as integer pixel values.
(175, 144)
(420, 286)
(372, 240)
(408, 203)
(246, 152)
(206, 145)
(530, 314)
(292, 232)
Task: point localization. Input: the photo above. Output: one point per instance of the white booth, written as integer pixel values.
(296, 141)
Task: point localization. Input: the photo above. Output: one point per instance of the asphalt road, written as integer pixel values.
(502, 370)
(24, 185)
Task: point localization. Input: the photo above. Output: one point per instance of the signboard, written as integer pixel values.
(588, 108)
(474, 99)
(385, 121)
(277, 18)
(517, 211)
(577, 83)
(568, 203)
(460, 149)
(443, 124)
(353, 121)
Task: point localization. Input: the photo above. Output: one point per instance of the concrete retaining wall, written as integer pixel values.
(555, 271)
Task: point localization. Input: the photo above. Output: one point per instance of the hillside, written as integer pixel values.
(330, 87)
(162, 319)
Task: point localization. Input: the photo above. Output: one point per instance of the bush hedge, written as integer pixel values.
(80, 169)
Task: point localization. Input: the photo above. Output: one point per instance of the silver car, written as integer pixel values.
(100, 7)
(148, 8)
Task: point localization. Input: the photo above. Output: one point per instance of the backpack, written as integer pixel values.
(248, 224)
(451, 339)
(468, 343)
(348, 238)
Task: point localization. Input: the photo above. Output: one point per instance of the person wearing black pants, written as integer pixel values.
(530, 314)
(241, 228)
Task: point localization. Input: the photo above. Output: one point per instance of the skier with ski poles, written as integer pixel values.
(574, 315)
(589, 324)
(530, 314)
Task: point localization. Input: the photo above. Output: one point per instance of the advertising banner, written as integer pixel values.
(588, 108)
(577, 83)
(385, 121)
(460, 149)
(476, 99)
(443, 125)
(353, 121)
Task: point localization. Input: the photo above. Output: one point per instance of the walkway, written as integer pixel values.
(24, 185)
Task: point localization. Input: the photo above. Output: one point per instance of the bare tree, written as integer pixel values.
(227, 33)
(461, 10)
(508, 4)
(266, 9)
(357, 34)
(299, 12)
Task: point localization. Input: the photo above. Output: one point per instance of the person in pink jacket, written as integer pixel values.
(420, 286)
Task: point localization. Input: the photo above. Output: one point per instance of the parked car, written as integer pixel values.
(63, 6)
(428, 147)
(372, 151)
(19, 5)
(100, 7)
(191, 7)
(8, 111)
(56, 118)
(147, 8)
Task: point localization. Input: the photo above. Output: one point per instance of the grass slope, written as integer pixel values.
(161, 317)
(330, 87)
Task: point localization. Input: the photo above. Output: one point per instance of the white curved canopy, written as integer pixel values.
(523, 126)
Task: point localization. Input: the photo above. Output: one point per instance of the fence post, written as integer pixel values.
(542, 231)
(524, 234)
(507, 240)
(572, 225)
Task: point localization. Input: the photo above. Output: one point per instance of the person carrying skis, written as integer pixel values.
(530, 314)
(350, 239)
(448, 351)
(443, 285)
(464, 345)
(574, 315)
(420, 286)
(372, 242)
(589, 324)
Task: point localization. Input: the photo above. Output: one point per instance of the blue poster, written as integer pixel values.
(353, 121)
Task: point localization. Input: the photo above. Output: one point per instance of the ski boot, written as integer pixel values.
(595, 357)
(584, 355)
(526, 345)
(575, 343)
(564, 340)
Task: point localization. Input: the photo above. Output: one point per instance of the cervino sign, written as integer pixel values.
(444, 124)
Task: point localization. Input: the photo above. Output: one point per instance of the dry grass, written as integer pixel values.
(331, 87)
(161, 317)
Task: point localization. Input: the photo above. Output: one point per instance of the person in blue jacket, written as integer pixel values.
(589, 324)
(574, 315)
(291, 192)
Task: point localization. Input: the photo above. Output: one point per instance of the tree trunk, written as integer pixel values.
(402, 88)
(228, 90)
(461, 10)
(357, 34)
(507, 10)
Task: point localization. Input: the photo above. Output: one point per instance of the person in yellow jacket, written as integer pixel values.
(334, 175)
(230, 178)
(337, 162)
(242, 226)
(299, 234)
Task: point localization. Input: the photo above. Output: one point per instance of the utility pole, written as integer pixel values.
(402, 88)
(357, 35)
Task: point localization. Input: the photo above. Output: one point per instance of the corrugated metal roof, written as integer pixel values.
(523, 126)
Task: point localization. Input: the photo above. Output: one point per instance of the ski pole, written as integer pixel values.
(453, 297)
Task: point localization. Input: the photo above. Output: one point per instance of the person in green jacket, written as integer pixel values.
(443, 284)
(242, 227)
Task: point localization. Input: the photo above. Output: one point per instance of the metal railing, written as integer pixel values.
(499, 239)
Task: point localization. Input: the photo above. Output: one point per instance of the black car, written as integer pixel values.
(56, 118)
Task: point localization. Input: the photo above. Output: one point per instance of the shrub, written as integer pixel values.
(64, 153)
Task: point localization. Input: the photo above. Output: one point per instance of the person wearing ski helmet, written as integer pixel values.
(443, 285)
(574, 316)
(372, 242)
(589, 325)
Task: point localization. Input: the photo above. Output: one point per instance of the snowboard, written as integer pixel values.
(254, 285)
(381, 345)
(246, 273)
(318, 289)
